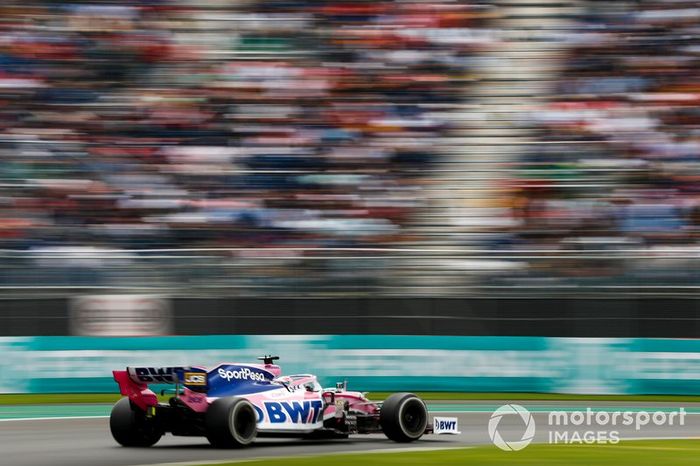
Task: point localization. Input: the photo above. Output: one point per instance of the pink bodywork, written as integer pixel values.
(144, 398)
(197, 402)
(356, 402)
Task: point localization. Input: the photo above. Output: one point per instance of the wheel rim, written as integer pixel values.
(243, 423)
(413, 417)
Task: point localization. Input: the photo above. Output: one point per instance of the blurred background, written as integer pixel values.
(439, 148)
(284, 173)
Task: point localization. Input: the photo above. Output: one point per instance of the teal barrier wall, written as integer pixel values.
(371, 362)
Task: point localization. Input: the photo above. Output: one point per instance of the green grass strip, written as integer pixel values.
(64, 398)
(626, 453)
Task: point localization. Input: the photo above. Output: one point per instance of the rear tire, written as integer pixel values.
(403, 417)
(131, 428)
(231, 423)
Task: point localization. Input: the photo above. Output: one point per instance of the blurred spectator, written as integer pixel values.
(622, 139)
(210, 123)
(180, 124)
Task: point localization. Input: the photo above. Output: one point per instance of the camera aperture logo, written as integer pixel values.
(589, 426)
(511, 410)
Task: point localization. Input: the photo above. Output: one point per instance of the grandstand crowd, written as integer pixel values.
(222, 124)
(186, 124)
(619, 164)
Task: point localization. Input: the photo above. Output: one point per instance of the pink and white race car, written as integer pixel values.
(231, 404)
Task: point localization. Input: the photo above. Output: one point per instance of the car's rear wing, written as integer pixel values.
(133, 382)
(137, 392)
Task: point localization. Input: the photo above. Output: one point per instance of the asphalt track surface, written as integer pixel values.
(87, 441)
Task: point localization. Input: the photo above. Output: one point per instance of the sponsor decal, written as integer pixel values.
(196, 399)
(297, 412)
(195, 378)
(445, 425)
(279, 393)
(244, 373)
(155, 374)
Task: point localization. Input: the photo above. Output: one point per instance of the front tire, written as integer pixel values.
(131, 428)
(403, 417)
(231, 423)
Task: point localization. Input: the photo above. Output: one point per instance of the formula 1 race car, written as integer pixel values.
(231, 404)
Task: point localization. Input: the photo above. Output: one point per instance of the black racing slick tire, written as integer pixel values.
(131, 428)
(403, 417)
(231, 423)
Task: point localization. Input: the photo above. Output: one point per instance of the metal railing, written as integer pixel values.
(332, 272)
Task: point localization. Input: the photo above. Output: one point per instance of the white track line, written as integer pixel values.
(67, 418)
